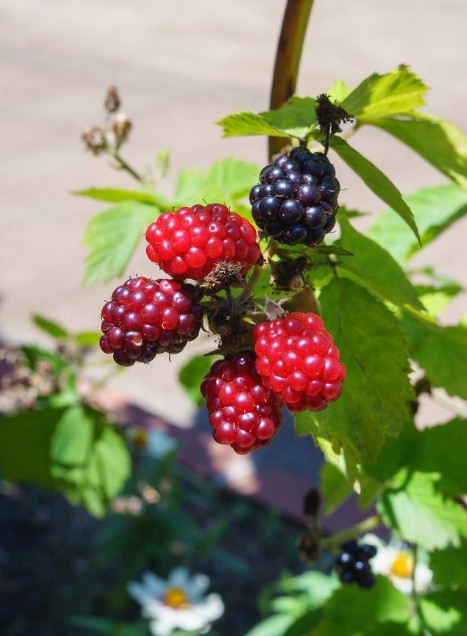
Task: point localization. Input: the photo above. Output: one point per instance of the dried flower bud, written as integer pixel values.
(112, 100)
(121, 126)
(94, 138)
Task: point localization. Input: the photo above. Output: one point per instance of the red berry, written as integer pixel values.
(297, 359)
(189, 242)
(146, 317)
(242, 411)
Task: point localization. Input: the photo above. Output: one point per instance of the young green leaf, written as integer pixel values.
(246, 123)
(420, 514)
(335, 487)
(397, 92)
(376, 391)
(72, 439)
(448, 566)
(376, 180)
(435, 210)
(87, 338)
(374, 268)
(354, 612)
(234, 177)
(443, 612)
(50, 327)
(436, 298)
(111, 238)
(118, 195)
(439, 142)
(440, 351)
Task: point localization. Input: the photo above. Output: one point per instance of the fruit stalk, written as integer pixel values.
(349, 533)
(288, 54)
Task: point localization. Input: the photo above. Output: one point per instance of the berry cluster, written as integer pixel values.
(242, 411)
(353, 565)
(189, 242)
(296, 201)
(297, 359)
(146, 317)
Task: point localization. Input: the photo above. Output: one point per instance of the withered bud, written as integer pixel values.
(308, 548)
(121, 126)
(112, 100)
(288, 274)
(95, 139)
(311, 502)
(222, 275)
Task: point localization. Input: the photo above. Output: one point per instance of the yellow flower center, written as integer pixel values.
(175, 597)
(403, 565)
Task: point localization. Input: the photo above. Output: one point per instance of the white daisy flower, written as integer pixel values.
(180, 602)
(395, 561)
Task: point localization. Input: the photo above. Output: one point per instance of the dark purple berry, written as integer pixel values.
(347, 577)
(330, 223)
(268, 208)
(315, 217)
(255, 195)
(344, 559)
(281, 160)
(314, 237)
(291, 211)
(273, 174)
(290, 166)
(295, 234)
(308, 194)
(314, 168)
(285, 189)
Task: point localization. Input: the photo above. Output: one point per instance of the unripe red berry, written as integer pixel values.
(297, 360)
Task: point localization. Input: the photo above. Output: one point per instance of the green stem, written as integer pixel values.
(340, 537)
(123, 165)
(288, 54)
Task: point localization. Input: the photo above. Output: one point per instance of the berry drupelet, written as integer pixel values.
(296, 199)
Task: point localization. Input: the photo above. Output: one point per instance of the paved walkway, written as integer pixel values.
(179, 67)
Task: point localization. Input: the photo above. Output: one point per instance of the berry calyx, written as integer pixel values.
(146, 317)
(242, 411)
(297, 359)
(188, 243)
(296, 199)
(353, 563)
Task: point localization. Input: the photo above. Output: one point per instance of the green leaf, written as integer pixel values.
(25, 439)
(335, 487)
(234, 177)
(111, 238)
(294, 119)
(448, 566)
(276, 625)
(436, 298)
(354, 612)
(440, 351)
(439, 142)
(87, 338)
(397, 92)
(192, 373)
(375, 397)
(387, 279)
(338, 91)
(376, 180)
(443, 612)
(435, 209)
(420, 514)
(246, 123)
(117, 195)
(72, 438)
(109, 627)
(52, 328)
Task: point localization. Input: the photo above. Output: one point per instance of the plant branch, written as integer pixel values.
(123, 165)
(340, 537)
(288, 54)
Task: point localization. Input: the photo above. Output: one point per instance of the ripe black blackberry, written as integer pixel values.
(353, 564)
(296, 199)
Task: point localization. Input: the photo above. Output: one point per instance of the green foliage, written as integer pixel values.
(439, 351)
(394, 93)
(121, 226)
(374, 403)
(435, 210)
(334, 487)
(414, 508)
(71, 449)
(448, 566)
(117, 195)
(443, 612)
(376, 180)
(387, 279)
(192, 373)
